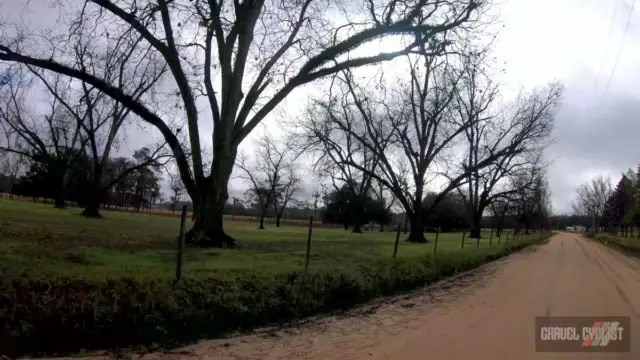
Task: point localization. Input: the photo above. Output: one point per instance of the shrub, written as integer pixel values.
(56, 316)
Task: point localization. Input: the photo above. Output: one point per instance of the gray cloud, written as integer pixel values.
(596, 133)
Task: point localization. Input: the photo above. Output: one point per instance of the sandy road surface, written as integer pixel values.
(489, 314)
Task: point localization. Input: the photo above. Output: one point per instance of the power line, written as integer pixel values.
(624, 35)
(613, 19)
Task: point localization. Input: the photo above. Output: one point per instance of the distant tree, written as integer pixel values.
(285, 191)
(618, 204)
(345, 207)
(177, 189)
(39, 177)
(271, 176)
(12, 166)
(591, 199)
(448, 214)
(51, 136)
(384, 202)
(522, 130)
(260, 196)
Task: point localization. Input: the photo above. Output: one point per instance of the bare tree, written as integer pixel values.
(177, 188)
(271, 176)
(591, 199)
(285, 190)
(12, 166)
(523, 129)
(129, 63)
(386, 200)
(258, 52)
(523, 198)
(52, 138)
(421, 124)
(405, 129)
(323, 133)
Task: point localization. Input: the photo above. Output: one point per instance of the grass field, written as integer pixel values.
(627, 244)
(40, 239)
(68, 283)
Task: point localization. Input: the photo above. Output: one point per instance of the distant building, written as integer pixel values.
(576, 228)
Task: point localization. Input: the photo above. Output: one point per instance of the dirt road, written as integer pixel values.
(489, 314)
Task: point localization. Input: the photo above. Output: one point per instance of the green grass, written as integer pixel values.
(39, 239)
(68, 283)
(627, 244)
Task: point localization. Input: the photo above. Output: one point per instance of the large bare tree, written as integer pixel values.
(336, 150)
(522, 128)
(416, 131)
(128, 62)
(243, 57)
(51, 137)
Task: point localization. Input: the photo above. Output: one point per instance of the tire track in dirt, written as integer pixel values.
(622, 277)
(554, 284)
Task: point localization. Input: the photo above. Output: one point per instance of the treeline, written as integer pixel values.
(622, 212)
(615, 210)
(125, 183)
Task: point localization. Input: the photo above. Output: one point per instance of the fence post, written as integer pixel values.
(491, 236)
(464, 234)
(395, 247)
(435, 246)
(306, 259)
(183, 217)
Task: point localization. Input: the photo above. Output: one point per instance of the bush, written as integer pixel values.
(59, 316)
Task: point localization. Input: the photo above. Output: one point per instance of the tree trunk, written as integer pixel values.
(416, 230)
(278, 220)
(475, 232)
(92, 206)
(261, 227)
(208, 215)
(60, 200)
(381, 227)
(346, 226)
(357, 228)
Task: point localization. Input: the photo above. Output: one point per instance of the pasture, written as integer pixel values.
(68, 283)
(38, 239)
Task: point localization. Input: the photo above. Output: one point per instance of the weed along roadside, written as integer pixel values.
(627, 245)
(62, 315)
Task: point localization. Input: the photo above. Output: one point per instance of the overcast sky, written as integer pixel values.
(577, 42)
(574, 41)
(597, 128)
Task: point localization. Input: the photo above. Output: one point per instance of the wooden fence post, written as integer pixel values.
(183, 217)
(395, 247)
(464, 234)
(435, 246)
(308, 255)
